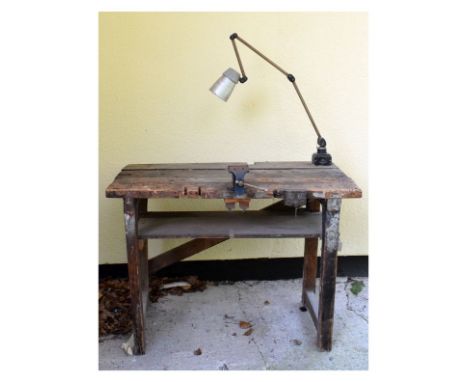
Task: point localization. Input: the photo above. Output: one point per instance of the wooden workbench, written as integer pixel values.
(318, 218)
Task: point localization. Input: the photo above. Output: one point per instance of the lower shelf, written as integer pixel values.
(229, 224)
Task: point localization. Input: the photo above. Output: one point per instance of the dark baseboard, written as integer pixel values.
(245, 269)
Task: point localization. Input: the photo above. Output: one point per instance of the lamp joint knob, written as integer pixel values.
(233, 36)
(291, 78)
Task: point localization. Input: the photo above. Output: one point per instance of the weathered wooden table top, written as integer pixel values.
(213, 181)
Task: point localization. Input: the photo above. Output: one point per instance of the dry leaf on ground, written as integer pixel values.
(248, 332)
(245, 324)
(114, 300)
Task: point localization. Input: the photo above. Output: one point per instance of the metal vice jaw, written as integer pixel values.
(238, 172)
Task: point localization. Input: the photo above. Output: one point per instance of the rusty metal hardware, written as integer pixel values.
(238, 172)
(230, 203)
(256, 187)
(294, 199)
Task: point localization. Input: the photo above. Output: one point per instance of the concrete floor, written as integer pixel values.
(283, 337)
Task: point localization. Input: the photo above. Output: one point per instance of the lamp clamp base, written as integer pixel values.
(321, 157)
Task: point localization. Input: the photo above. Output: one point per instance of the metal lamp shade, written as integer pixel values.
(224, 86)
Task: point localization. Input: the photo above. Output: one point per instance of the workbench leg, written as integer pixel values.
(309, 273)
(143, 248)
(137, 257)
(330, 244)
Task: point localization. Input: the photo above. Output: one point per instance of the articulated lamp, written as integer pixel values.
(224, 86)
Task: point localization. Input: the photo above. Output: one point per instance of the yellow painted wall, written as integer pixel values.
(155, 70)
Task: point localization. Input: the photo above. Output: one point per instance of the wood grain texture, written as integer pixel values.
(213, 181)
(143, 249)
(137, 273)
(330, 243)
(180, 166)
(181, 252)
(310, 254)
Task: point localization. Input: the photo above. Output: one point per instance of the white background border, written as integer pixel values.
(49, 150)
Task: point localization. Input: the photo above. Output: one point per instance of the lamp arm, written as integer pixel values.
(320, 140)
